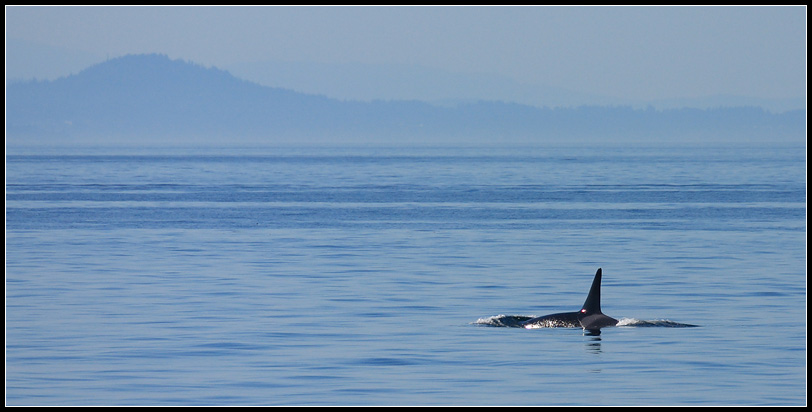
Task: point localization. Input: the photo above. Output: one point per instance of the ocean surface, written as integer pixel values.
(386, 276)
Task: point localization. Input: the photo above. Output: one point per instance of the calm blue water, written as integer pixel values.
(372, 276)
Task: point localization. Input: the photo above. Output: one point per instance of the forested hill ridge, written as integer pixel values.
(152, 99)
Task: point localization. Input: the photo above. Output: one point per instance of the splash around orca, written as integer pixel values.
(589, 317)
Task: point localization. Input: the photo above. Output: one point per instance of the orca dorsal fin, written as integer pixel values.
(593, 300)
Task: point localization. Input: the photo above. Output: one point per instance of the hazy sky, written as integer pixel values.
(630, 52)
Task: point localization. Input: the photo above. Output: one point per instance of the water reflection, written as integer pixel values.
(592, 343)
(592, 332)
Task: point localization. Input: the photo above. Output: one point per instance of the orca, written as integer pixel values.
(589, 317)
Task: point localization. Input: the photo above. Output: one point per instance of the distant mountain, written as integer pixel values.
(151, 99)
